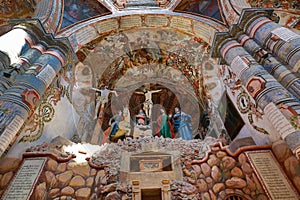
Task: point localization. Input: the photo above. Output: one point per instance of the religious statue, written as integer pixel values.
(141, 128)
(119, 125)
(140, 118)
(183, 124)
(165, 125)
(102, 99)
(148, 104)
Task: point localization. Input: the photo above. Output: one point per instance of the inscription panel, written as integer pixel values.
(23, 183)
(285, 34)
(181, 23)
(156, 20)
(10, 132)
(129, 22)
(86, 35)
(47, 75)
(204, 31)
(276, 117)
(238, 65)
(107, 26)
(274, 180)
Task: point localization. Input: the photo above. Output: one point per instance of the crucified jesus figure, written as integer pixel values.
(102, 100)
(148, 104)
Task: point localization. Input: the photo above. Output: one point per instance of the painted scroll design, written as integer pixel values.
(43, 114)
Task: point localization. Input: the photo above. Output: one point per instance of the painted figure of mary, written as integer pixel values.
(183, 124)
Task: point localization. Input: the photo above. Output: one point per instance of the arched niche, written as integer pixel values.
(126, 60)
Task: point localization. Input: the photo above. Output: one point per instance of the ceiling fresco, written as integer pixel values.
(17, 9)
(78, 10)
(138, 4)
(202, 7)
(282, 4)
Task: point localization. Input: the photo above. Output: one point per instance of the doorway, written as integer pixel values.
(151, 194)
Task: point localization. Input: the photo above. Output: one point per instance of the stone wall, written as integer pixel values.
(8, 168)
(73, 180)
(210, 171)
(217, 176)
(288, 161)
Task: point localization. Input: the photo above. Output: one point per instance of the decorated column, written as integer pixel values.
(19, 101)
(16, 61)
(279, 40)
(281, 72)
(12, 44)
(268, 93)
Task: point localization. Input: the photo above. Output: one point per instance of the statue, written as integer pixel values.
(102, 99)
(141, 128)
(183, 124)
(119, 126)
(148, 104)
(165, 125)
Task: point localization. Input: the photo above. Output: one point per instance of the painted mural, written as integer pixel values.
(202, 7)
(134, 4)
(283, 4)
(288, 12)
(78, 10)
(17, 9)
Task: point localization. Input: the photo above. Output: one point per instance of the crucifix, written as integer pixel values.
(102, 100)
(148, 104)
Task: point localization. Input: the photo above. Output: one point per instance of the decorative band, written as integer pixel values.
(228, 47)
(40, 48)
(257, 26)
(57, 55)
(244, 39)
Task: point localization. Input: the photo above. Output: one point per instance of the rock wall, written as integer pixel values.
(288, 161)
(211, 175)
(8, 168)
(217, 176)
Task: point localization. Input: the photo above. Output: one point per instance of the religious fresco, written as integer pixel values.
(287, 12)
(134, 4)
(283, 4)
(78, 10)
(202, 7)
(17, 9)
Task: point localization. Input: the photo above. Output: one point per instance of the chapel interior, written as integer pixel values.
(150, 99)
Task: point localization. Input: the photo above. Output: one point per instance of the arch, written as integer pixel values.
(236, 197)
(199, 26)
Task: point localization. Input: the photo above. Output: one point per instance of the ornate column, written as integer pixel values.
(16, 61)
(281, 72)
(19, 101)
(264, 89)
(12, 44)
(282, 42)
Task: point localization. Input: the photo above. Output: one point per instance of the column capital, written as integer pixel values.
(248, 15)
(35, 28)
(236, 31)
(219, 40)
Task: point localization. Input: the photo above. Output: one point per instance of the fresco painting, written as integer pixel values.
(78, 10)
(202, 7)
